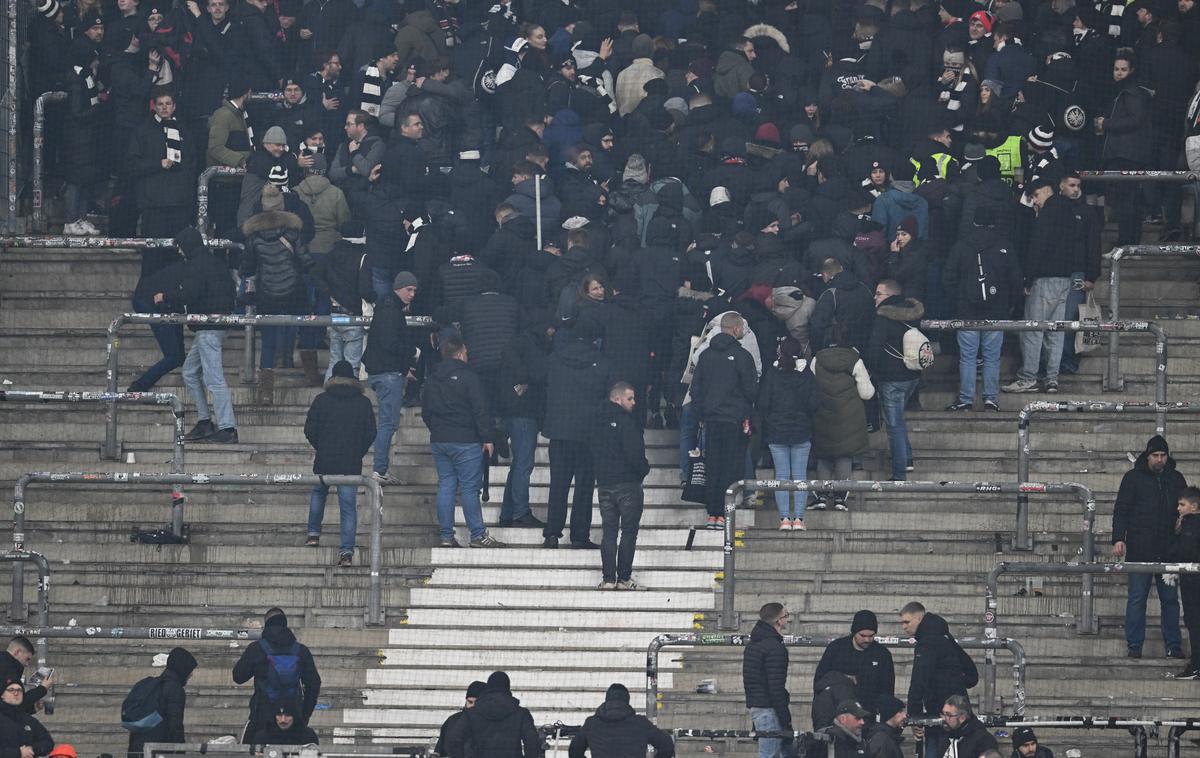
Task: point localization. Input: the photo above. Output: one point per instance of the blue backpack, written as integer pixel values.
(139, 711)
(283, 673)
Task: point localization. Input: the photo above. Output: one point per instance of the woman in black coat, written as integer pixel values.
(906, 260)
(787, 403)
(18, 730)
(1128, 144)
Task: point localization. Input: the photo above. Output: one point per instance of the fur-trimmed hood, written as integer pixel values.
(272, 220)
(766, 30)
(690, 294)
(899, 308)
(345, 383)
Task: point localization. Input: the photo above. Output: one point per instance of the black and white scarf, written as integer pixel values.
(1114, 13)
(595, 85)
(174, 139)
(89, 81)
(372, 91)
(954, 103)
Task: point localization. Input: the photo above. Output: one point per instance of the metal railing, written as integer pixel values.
(1113, 381)
(1021, 541)
(1084, 406)
(39, 147)
(202, 183)
(131, 398)
(374, 610)
(700, 639)
(132, 632)
(390, 750)
(43, 241)
(1115, 256)
(19, 558)
(1140, 176)
(1137, 728)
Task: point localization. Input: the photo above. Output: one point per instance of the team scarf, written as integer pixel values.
(174, 138)
(89, 81)
(372, 91)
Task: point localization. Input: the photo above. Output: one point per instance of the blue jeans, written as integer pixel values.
(1047, 301)
(345, 344)
(1075, 298)
(969, 345)
(523, 435)
(459, 469)
(893, 397)
(347, 509)
(689, 438)
(791, 462)
(389, 392)
(766, 720)
(204, 369)
(1135, 611)
(170, 341)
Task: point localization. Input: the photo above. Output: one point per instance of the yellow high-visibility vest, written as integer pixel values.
(1008, 153)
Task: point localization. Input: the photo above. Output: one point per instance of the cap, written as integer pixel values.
(852, 707)
(402, 280)
(718, 195)
(973, 151)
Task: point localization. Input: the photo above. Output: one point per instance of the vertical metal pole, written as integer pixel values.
(537, 203)
(16, 610)
(1113, 380)
(1018, 653)
(729, 585)
(375, 613)
(1022, 540)
(1160, 378)
(1087, 624)
(652, 679)
(178, 498)
(13, 99)
(110, 451)
(202, 199)
(248, 350)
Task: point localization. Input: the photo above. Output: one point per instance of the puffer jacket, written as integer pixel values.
(841, 420)
(329, 210)
(893, 206)
(1144, 513)
(278, 270)
(764, 672)
(885, 351)
(489, 322)
(791, 306)
(732, 74)
(1128, 132)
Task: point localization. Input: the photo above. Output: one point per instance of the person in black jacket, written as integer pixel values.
(895, 382)
(21, 735)
(1128, 144)
(577, 376)
(460, 433)
(764, 677)
(962, 733)
(886, 735)
(278, 646)
(1143, 521)
(618, 731)
(498, 727)
(619, 457)
(845, 300)
(172, 701)
(390, 355)
(13, 662)
(340, 426)
(204, 288)
(522, 404)
(452, 735)
(830, 690)
(285, 729)
(1186, 549)
(344, 278)
(1026, 745)
(786, 405)
(83, 156)
(724, 387)
(162, 159)
(940, 667)
(859, 656)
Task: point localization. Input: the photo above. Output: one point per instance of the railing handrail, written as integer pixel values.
(44, 241)
(191, 633)
(1149, 175)
(39, 142)
(702, 639)
(374, 611)
(202, 183)
(19, 557)
(1121, 252)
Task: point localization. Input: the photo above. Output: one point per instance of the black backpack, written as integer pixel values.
(140, 709)
(990, 285)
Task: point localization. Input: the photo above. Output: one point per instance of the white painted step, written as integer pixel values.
(409, 717)
(557, 618)
(529, 659)
(673, 537)
(521, 557)
(534, 700)
(584, 639)
(458, 679)
(577, 578)
(662, 515)
(463, 599)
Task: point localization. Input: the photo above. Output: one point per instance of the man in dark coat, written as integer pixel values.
(278, 649)
(390, 355)
(846, 733)
(618, 731)
(619, 457)
(895, 383)
(1143, 524)
(172, 700)
(522, 404)
(489, 323)
(162, 158)
(847, 300)
(577, 377)
(341, 427)
(498, 726)
(862, 658)
(461, 431)
(450, 742)
(214, 61)
(13, 662)
(626, 338)
(962, 733)
(724, 388)
(886, 735)
(262, 48)
(285, 729)
(940, 667)
(764, 677)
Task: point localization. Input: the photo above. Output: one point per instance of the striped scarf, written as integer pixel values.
(93, 88)
(372, 91)
(595, 85)
(174, 139)
(1114, 13)
(954, 104)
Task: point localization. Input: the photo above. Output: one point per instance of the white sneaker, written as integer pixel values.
(89, 228)
(1021, 385)
(74, 229)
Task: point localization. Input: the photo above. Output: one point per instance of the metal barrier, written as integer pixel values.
(42, 241)
(693, 639)
(19, 558)
(1087, 624)
(374, 612)
(202, 192)
(1135, 727)
(1140, 176)
(1022, 540)
(132, 398)
(1113, 381)
(132, 632)
(265, 97)
(1115, 256)
(1084, 406)
(390, 750)
(39, 147)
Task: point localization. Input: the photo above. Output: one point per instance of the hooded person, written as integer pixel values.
(282, 669)
(616, 730)
(172, 700)
(1142, 527)
(285, 728)
(453, 731)
(498, 726)
(859, 656)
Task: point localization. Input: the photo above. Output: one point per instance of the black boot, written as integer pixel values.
(201, 431)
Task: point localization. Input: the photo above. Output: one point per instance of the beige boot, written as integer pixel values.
(265, 393)
(308, 359)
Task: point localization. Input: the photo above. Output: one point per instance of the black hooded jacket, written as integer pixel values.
(172, 700)
(764, 672)
(340, 426)
(1144, 514)
(254, 664)
(618, 448)
(725, 384)
(617, 731)
(885, 351)
(970, 738)
(940, 668)
(498, 727)
(577, 380)
(298, 734)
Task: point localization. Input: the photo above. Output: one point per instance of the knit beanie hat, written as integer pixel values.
(477, 687)
(744, 105)
(908, 225)
(636, 170)
(181, 662)
(408, 279)
(275, 136)
(1022, 735)
(984, 18)
(189, 241)
(865, 619)
(498, 681)
(995, 85)
(643, 46)
(1041, 136)
(1157, 444)
(888, 706)
(767, 134)
(618, 692)
(48, 8)
(272, 198)
(343, 370)
(1010, 12)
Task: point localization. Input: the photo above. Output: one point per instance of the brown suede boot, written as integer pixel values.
(308, 359)
(265, 392)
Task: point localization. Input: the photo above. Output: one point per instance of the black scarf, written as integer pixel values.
(174, 139)
(372, 91)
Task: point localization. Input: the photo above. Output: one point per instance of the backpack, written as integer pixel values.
(917, 353)
(282, 682)
(139, 711)
(990, 286)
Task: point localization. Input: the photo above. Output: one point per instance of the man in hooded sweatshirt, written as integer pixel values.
(618, 731)
(282, 669)
(859, 656)
(172, 700)
(1142, 530)
(498, 727)
(941, 668)
(285, 729)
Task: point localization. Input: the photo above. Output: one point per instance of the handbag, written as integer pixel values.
(696, 486)
(1086, 342)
